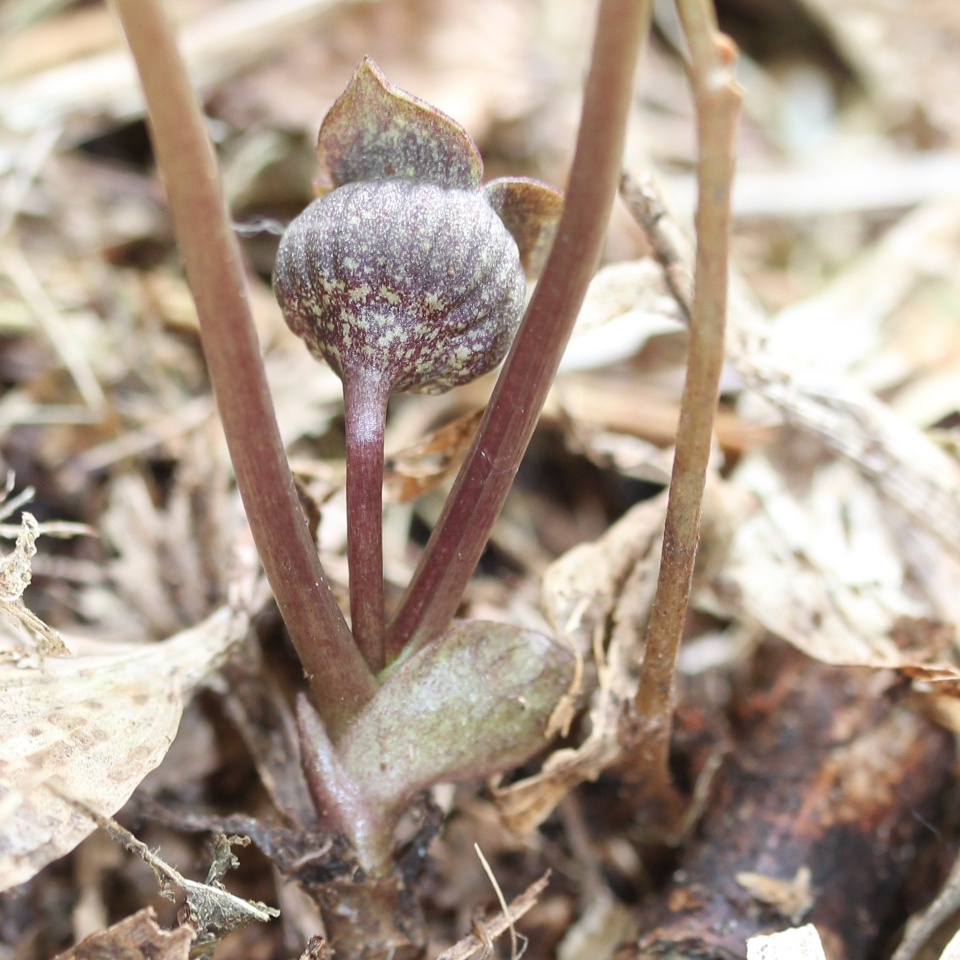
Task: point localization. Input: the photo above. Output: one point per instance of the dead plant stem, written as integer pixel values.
(339, 677)
(717, 99)
(482, 484)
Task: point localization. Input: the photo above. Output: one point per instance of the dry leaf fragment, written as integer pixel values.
(210, 911)
(582, 593)
(417, 469)
(136, 938)
(824, 571)
(626, 304)
(92, 727)
(15, 576)
(790, 898)
(902, 462)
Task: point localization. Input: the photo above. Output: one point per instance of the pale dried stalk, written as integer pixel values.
(717, 98)
(492, 929)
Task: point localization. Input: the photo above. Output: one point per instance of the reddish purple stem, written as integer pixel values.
(339, 678)
(481, 487)
(365, 411)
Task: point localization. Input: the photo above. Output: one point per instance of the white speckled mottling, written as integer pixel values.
(447, 274)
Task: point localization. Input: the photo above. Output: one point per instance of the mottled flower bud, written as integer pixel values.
(407, 270)
(407, 274)
(415, 283)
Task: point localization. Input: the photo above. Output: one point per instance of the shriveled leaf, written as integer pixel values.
(824, 571)
(15, 577)
(136, 938)
(626, 304)
(375, 131)
(530, 210)
(596, 587)
(417, 469)
(92, 727)
(210, 912)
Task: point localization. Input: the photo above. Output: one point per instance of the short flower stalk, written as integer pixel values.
(405, 275)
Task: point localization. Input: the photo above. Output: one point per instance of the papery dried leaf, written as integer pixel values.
(900, 460)
(417, 469)
(581, 594)
(92, 727)
(15, 574)
(15, 577)
(375, 131)
(626, 304)
(824, 572)
(531, 211)
(136, 938)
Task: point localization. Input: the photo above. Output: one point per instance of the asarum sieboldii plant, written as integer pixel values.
(408, 274)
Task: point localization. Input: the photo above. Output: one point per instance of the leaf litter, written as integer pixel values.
(833, 512)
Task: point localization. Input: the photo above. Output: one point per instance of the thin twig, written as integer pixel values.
(717, 99)
(643, 198)
(468, 946)
(943, 907)
(481, 487)
(339, 677)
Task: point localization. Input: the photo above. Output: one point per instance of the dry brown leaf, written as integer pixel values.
(628, 406)
(584, 592)
(136, 938)
(790, 898)
(824, 570)
(92, 726)
(416, 469)
(900, 460)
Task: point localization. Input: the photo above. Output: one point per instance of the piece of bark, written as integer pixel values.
(815, 817)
